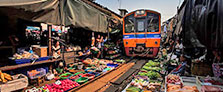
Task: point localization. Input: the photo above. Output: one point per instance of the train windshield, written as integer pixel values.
(153, 23)
(140, 25)
(129, 24)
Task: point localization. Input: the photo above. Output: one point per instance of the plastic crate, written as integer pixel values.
(41, 73)
(112, 65)
(200, 82)
(21, 61)
(65, 76)
(43, 58)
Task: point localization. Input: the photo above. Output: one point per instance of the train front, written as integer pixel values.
(141, 33)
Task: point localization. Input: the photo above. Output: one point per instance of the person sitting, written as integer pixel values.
(86, 51)
(56, 50)
(181, 68)
(95, 52)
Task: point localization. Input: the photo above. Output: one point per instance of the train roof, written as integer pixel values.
(141, 9)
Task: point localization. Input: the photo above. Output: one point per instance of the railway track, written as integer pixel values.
(115, 80)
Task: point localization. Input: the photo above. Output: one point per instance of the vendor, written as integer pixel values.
(178, 48)
(182, 67)
(95, 52)
(102, 45)
(86, 51)
(56, 50)
(92, 39)
(99, 40)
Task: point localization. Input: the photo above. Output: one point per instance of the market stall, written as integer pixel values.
(77, 74)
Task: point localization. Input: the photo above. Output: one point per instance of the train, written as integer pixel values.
(142, 33)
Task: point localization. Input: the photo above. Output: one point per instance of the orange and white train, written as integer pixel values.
(141, 33)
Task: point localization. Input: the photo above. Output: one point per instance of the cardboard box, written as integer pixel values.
(40, 51)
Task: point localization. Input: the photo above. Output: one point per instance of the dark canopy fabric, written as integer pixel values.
(201, 22)
(81, 14)
(60, 12)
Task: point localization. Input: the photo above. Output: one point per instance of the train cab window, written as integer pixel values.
(140, 25)
(129, 24)
(153, 23)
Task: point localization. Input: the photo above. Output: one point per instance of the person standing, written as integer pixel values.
(102, 45)
(92, 40)
(98, 40)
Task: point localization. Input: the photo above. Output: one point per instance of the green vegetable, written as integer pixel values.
(142, 74)
(151, 63)
(154, 81)
(133, 89)
(120, 60)
(153, 75)
(156, 60)
(151, 68)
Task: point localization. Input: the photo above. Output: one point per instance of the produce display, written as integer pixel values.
(65, 75)
(120, 60)
(178, 88)
(69, 80)
(61, 86)
(151, 70)
(133, 89)
(151, 74)
(174, 84)
(152, 64)
(112, 51)
(147, 68)
(96, 61)
(147, 79)
(207, 88)
(25, 55)
(39, 72)
(174, 79)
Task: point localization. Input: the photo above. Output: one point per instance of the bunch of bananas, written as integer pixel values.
(4, 77)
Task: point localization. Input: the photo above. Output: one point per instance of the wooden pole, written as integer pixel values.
(49, 27)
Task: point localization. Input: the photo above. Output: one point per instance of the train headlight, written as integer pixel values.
(140, 12)
(156, 42)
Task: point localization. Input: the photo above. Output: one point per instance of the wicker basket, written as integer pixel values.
(16, 84)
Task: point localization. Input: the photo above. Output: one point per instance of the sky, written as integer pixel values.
(167, 8)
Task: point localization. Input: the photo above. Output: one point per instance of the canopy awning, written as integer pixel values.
(19, 2)
(58, 12)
